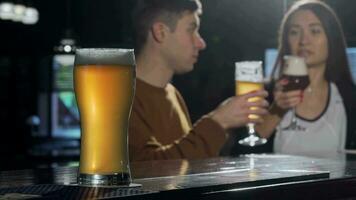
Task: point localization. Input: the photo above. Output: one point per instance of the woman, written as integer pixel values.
(310, 29)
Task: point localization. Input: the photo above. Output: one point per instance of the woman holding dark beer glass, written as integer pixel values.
(324, 109)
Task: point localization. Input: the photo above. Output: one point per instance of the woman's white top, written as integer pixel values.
(321, 137)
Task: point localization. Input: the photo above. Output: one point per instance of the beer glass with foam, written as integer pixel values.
(296, 73)
(248, 78)
(104, 84)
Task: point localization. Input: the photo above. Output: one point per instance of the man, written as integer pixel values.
(168, 43)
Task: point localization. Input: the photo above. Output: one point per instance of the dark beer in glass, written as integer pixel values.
(295, 72)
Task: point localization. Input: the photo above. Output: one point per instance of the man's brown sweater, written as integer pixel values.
(160, 127)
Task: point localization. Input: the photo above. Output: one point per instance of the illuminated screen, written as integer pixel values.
(64, 111)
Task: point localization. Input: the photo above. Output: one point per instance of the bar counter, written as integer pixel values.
(255, 176)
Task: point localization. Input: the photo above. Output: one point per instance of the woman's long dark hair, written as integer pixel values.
(337, 66)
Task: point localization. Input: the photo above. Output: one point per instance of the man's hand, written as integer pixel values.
(234, 112)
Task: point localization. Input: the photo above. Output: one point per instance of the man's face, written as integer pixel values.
(182, 46)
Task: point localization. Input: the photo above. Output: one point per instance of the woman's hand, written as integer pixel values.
(286, 99)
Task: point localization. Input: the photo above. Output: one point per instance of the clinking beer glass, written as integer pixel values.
(249, 77)
(104, 84)
(295, 71)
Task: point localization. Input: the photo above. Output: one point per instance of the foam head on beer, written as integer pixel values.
(250, 71)
(295, 66)
(104, 57)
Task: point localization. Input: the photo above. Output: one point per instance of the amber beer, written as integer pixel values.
(248, 78)
(104, 82)
(243, 87)
(295, 71)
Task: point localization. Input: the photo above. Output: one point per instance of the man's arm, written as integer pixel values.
(204, 140)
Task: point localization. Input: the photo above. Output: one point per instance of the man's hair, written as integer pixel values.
(147, 12)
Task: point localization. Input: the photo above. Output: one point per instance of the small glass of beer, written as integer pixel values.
(104, 84)
(248, 78)
(296, 73)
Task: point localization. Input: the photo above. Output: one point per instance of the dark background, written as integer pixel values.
(233, 29)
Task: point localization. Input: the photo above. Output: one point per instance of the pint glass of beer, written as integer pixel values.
(296, 73)
(248, 78)
(104, 84)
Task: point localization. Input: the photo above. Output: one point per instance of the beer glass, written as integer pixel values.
(296, 72)
(104, 84)
(248, 78)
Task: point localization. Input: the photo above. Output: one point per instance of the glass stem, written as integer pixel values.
(294, 118)
(251, 128)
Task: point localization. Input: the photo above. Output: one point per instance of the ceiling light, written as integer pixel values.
(6, 10)
(31, 16)
(18, 12)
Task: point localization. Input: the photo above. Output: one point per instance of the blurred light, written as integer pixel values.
(66, 45)
(18, 12)
(6, 10)
(31, 16)
(67, 48)
(33, 120)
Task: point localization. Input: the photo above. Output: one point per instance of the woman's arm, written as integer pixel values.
(281, 103)
(270, 121)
